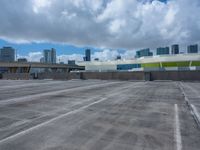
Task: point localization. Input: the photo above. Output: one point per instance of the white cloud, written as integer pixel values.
(65, 58)
(106, 55)
(126, 24)
(32, 56)
(40, 4)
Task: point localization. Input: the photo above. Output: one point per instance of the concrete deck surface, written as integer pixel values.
(98, 115)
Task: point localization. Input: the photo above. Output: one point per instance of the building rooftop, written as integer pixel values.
(96, 115)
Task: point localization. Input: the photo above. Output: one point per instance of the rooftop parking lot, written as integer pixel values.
(99, 115)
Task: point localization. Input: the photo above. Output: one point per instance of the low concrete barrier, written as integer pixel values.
(183, 75)
(139, 75)
(54, 76)
(108, 75)
(16, 76)
(176, 75)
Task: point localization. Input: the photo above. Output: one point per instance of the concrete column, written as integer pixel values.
(12, 69)
(26, 69)
(161, 64)
(190, 64)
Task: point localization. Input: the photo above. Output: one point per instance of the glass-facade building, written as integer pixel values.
(49, 56)
(7, 54)
(192, 48)
(128, 66)
(162, 51)
(87, 55)
(71, 62)
(175, 49)
(53, 56)
(143, 53)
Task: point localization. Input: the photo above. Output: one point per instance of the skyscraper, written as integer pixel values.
(49, 56)
(7, 54)
(162, 51)
(175, 49)
(53, 56)
(87, 55)
(192, 48)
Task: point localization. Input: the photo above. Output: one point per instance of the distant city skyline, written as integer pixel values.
(50, 55)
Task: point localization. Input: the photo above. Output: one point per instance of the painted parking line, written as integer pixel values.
(27, 85)
(177, 132)
(114, 93)
(31, 97)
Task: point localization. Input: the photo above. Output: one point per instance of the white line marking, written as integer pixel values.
(50, 121)
(177, 132)
(113, 93)
(32, 97)
(28, 85)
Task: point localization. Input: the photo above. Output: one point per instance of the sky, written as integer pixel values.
(108, 27)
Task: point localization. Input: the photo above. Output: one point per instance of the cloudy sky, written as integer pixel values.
(106, 26)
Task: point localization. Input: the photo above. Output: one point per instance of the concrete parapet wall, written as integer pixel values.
(113, 75)
(55, 76)
(140, 75)
(176, 75)
(16, 76)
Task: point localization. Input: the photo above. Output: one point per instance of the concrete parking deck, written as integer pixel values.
(98, 115)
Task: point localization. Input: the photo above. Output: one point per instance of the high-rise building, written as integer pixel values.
(143, 52)
(192, 48)
(49, 56)
(175, 49)
(7, 54)
(53, 56)
(162, 51)
(87, 55)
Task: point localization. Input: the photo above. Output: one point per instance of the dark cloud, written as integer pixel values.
(109, 23)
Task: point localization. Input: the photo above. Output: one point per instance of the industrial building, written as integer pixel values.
(162, 62)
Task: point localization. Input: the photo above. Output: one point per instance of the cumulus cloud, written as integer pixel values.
(126, 24)
(32, 56)
(65, 58)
